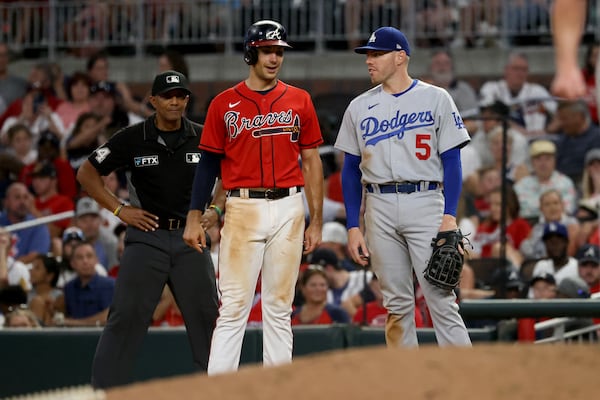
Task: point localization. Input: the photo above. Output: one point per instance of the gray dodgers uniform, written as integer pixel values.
(400, 139)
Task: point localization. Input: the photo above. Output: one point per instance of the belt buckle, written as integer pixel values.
(172, 225)
(270, 194)
(410, 188)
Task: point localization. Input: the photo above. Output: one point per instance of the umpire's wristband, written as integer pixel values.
(117, 210)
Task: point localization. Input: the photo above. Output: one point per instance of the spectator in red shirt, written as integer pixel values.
(47, 199)
(49, 151)
(37, 104)
(486, 242)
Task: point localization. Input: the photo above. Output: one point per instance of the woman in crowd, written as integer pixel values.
(78, 102)
(486, 242)
(316, 310)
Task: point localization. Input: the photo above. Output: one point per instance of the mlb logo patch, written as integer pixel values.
(192, 158)
(146, 161)
(172, 79)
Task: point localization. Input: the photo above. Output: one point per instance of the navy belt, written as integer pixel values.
(171, 224)
(402, 187)
(269, 194)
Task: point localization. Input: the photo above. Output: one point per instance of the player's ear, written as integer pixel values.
(399, 57)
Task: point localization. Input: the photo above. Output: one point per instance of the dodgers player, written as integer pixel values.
(402, 141)
(253, 134)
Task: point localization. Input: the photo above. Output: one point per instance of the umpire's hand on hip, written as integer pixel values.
(138, 218)
(194, 235)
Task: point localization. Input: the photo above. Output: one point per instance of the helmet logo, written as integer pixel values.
(272, 35)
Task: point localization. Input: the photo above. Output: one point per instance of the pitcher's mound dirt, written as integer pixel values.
(482, 372)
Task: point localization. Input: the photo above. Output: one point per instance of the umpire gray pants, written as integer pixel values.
(150, 260)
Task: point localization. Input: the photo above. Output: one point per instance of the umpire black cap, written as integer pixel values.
(169, 80)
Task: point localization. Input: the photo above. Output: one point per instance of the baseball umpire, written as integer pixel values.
(254, 134)
(402, 141)
(160, 156)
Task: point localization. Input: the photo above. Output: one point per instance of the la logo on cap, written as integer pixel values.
(172, 79)
(372, 38)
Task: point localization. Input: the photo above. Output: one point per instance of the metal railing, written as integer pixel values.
(561, 334)
(59, 26)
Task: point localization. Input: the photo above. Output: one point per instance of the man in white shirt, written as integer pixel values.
(531, 104)
(559, 263)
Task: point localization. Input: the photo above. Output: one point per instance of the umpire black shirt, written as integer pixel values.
(159, 177)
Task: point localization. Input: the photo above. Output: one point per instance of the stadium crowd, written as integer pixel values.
(80, 27)
(62, 273)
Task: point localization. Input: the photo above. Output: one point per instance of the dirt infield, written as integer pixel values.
(483, 372)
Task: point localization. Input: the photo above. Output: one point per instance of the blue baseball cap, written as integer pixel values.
(556, 229)
(386, 38)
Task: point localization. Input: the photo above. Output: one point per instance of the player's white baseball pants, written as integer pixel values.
(257, 234)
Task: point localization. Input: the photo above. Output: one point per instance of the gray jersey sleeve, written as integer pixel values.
(452, 131)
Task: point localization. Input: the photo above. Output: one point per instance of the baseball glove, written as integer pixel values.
(446, 262)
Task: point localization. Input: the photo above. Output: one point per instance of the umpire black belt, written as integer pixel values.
(171, 224)
(402, 187)
(265, 193)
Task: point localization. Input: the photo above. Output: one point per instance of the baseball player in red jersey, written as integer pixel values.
(253, 137)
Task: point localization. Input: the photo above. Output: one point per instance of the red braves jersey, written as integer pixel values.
(261, 135)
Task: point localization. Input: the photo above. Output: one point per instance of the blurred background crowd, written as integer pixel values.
(531, 173)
